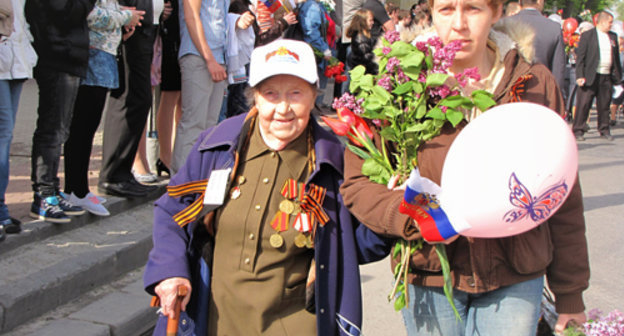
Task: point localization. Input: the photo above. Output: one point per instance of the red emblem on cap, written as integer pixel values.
(281, 51)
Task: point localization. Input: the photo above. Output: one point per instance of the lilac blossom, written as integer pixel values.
(442, 91)
(443, 108)
(386, 50)
(392, 36)
(610, 325)
(422, 46)
(470, 73)
(393, 63)
(348, 101)
(401, 77)
(385, 82)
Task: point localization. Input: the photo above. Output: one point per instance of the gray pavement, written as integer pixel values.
(601, 175)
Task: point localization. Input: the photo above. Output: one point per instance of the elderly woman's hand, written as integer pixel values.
(167, 291)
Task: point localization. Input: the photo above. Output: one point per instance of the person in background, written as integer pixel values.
(105, 24)
(618, 99)
(240, 44)
(61, 40)
(383, 22)
(547, 41)
(393, 13)
(170, 107)
(17, 59)
(362, 44)
(597, 69)
(512, 8)
(129, 106)
(498, 283)
(268, 274)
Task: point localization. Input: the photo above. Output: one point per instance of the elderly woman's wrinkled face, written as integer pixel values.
(284, 103)
(468, 21)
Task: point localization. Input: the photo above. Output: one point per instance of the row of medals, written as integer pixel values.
(287, 206)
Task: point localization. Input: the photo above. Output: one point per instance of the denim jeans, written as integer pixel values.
(57, 93)
(510, 311)
(10, 91)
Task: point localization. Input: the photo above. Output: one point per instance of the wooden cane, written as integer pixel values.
(172, 322)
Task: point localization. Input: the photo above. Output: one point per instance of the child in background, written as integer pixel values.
(362, 44)
(105, 22)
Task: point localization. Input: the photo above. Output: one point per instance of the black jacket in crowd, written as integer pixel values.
(362, 54)
(61, 35)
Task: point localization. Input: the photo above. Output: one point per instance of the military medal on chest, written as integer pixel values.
(235, 193)
(306, 207)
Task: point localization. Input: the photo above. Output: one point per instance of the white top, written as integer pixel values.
(17, 56)
(159, 5)
(604, 44)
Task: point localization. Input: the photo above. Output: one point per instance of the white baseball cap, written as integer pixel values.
(283, 57)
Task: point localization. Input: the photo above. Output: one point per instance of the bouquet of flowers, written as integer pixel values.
(408, 102)
(333, 69)
(599, 325)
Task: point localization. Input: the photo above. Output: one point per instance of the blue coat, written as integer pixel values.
(340, 246)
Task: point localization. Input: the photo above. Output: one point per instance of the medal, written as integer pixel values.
(300, 240)
(235, 193)
(241, 179)
(309, 242)
(287, 206)
(276, 240)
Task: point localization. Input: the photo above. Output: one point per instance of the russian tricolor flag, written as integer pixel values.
(272, 5)
(421, 204)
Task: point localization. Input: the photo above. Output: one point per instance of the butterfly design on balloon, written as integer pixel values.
(538, 208)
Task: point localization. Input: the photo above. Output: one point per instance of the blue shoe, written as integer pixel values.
(48, 209)
(67, 207)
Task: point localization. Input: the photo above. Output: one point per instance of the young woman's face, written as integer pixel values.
(284, 103)
(370, 20)
(468, 21)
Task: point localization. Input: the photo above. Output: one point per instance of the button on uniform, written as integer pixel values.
(257, 207)
(265, 180)
(252, 236)
(247, 261)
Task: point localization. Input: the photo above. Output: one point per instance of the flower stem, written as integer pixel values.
(446, 272)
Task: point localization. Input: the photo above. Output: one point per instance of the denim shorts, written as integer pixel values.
(102, 70)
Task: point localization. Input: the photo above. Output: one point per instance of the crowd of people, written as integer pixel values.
(285, 219)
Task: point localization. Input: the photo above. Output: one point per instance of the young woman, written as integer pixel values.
(362, 44)
(497, 283)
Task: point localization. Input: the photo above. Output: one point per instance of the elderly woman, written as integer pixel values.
(498, 282)
(285, 252)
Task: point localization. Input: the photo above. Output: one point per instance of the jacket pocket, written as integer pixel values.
(529, 252)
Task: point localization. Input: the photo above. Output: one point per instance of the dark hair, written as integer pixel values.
(358, 23)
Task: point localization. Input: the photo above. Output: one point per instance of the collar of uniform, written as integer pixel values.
(294, 155)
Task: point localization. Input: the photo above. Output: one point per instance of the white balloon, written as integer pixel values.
(509, 170)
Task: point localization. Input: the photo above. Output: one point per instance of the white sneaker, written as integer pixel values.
(90, 203)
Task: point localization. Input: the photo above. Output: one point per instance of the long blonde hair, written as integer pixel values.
(359, 23)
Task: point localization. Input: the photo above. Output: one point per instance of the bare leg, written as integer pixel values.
(166, 121)
(141, 166)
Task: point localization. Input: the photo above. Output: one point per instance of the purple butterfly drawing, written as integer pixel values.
(538, 208)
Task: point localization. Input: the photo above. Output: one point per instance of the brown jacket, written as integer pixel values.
(557, 248)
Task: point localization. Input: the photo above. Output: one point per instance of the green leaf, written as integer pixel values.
(391, 112)
(403, 88)
(356, 76)
(396, 251)
(417, 127)
(374, 170)
(389, 133)
(399, 302)
(372, 104)
(412, 72)
(446, 273)
(429, 61)
(359, 151)
(454, 101)
(421, 110)
(414, 59)
(436, 113)
(400, 48)
(483, 99)
(382, 94)
(454, 117)
(436, 79)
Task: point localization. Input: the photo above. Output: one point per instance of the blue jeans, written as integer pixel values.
(57, 93)
(510, 311)
(10, 91)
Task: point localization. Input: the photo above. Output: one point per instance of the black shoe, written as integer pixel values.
(607, 136)
(11, 225)
(67, 207)
(580, 137)
(121, 189)
(2, 235)
(48, 209)
(586, 128)
(612, 123)
(141, 186)
(161, 168)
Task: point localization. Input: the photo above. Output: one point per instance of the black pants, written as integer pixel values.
(601, 89)
(85, 121)
(57, 93)
(128, 108)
